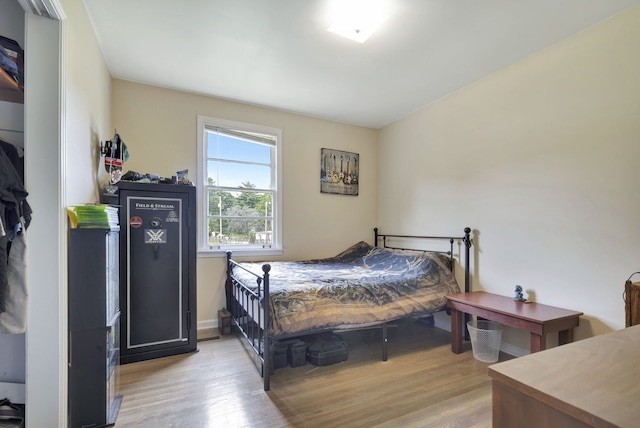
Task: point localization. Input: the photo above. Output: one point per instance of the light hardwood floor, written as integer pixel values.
(423, 384)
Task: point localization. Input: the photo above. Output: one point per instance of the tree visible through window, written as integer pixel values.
(239, 167)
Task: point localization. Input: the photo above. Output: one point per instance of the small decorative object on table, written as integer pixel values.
(519, 296)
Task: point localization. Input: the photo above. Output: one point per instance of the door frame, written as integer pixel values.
(45, 171)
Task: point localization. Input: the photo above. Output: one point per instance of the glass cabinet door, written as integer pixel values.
(113, 371)
(112, 272)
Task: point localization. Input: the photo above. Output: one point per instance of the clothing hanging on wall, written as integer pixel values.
(15, 217)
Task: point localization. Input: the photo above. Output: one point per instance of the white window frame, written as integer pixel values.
(204, 250)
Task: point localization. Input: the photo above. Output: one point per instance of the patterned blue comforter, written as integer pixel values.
(362, 285)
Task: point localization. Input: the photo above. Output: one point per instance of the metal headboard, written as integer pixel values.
(466, 240)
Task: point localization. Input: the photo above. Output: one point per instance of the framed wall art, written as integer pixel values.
(339, 172)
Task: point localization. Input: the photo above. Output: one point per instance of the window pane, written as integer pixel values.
(240, 204)
(225, 147)
(263, 236)
(239, 232)
(250, 204)
(220, 202)
(231, 174)
(239, 166)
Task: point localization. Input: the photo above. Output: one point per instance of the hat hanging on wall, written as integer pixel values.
(115, 155)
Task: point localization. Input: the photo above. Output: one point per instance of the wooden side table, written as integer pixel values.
(536, 318)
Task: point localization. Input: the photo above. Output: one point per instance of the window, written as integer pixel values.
(238, 192)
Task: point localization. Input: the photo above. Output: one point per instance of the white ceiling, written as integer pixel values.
(277, 53)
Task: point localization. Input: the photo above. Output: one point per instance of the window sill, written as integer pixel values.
(240, 253)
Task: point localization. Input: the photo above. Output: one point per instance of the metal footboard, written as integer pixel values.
(250, 313)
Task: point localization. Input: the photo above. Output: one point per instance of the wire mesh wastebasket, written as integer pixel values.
(486, 337)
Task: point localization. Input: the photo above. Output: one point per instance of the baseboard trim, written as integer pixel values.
(513, 350)
(207, 324)
(207, 330)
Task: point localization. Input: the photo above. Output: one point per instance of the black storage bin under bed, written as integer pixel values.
(326, 348)
(292, 352)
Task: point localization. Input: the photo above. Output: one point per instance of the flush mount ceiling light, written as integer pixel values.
(357, 19)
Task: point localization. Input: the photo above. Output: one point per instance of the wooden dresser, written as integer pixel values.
(590, 383)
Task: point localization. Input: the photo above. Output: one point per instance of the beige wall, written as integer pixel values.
(88, 102)
(539, 160)
(159, 128)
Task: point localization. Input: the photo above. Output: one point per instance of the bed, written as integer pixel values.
(363, 286)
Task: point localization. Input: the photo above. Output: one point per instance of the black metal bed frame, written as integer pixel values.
(250, 308)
